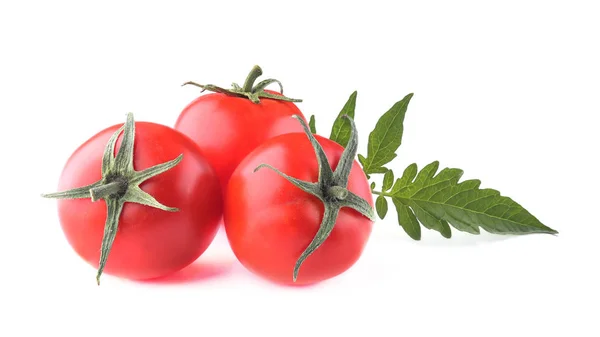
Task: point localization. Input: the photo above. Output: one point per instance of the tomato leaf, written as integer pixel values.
(386, 138)
(361, 159)
(381, 206)
(408, 175)
(311, 124)
(438, 201)
(388, 180)
(407, 220)
(340, 132)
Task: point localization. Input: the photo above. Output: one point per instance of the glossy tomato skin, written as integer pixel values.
(227, 128)
(150, 242)
(270, 222)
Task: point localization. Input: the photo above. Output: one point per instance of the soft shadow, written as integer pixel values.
(196, 272)
(460, 239)
(432, 238)
(296, 286)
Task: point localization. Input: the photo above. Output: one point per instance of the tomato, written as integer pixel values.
(149, 242)
(228, 126)
(270, 222)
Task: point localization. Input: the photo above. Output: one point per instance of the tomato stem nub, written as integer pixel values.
(331, 189)
(250, 91)
(337, 192)
(255, 73)
(108, 189)
(119, 184)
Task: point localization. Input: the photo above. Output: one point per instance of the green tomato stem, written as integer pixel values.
(117, 187)
(337, 192)
(250, 91)
(255, 73)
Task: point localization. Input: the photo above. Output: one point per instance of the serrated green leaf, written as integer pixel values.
(407, 219)
(381, 206)
(439, 200)
(361, 160)
(388, 180)
(379, 170)
(430, 221)
(340, 132)
(386, 138)
(408, 175)
(311, 124)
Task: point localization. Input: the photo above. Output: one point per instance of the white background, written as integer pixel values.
(507, 91)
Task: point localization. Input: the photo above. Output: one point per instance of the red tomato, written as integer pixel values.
(149, 242)
(270, 222)
(227, 127)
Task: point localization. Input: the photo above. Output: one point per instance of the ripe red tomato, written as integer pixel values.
(150, 242)
(230, 123)
(227, 128)
(270, 222)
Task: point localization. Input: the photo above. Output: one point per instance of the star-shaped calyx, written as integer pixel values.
(250, 91)
(330, 189)
(119, 184)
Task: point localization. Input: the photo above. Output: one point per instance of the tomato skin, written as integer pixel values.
(270, 222)
(227, 128)
(150, 242)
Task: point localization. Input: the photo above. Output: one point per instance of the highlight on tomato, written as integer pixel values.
(228, 124)
(299, 209)
(147, 211)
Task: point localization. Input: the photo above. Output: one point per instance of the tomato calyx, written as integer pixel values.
(119, 184)
(250, 91)
(330, 189)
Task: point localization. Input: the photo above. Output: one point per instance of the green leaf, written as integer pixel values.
(386, 138)
(409, 174)
(311, 124)
(381, 206)
(439, 200)
(407, 220)
(380, 170)
(361, 160)
(372, 185)
(340, 132)
(388, 180)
